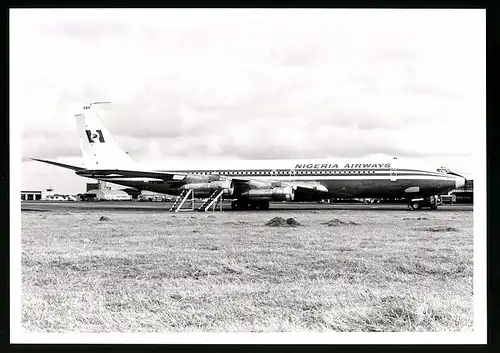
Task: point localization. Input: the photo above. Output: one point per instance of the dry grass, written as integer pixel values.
(157, 271)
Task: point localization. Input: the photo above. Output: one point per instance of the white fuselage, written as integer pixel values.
(349, 178)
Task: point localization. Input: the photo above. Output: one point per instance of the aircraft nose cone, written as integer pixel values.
(459, 182)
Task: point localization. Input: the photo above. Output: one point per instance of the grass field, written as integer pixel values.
(157, 271)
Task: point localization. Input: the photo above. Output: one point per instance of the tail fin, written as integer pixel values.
(99, 149)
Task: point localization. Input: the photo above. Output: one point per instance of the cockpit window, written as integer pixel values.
(443, 170)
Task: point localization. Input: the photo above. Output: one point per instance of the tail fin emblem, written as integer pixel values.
(94, 135)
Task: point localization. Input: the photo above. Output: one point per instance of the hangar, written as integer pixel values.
(101, 192)
(109, 195)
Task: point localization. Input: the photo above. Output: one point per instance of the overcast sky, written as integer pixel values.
(249, 84)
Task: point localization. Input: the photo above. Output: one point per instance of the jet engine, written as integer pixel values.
(206, 189)
(284, 193)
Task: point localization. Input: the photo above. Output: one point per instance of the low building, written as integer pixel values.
(31, 195)
(46, 195)
(60, 197)
(465, 194)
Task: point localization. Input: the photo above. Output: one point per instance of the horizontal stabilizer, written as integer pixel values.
(131, 173)
(67, 166)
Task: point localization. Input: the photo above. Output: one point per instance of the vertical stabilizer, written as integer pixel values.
(99, 149)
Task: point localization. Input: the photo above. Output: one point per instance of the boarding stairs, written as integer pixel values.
(181, 199)
(212, 201)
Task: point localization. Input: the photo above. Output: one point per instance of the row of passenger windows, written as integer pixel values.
(286, 172)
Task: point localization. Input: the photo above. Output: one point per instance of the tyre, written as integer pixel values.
(264, 205)
(415, 205)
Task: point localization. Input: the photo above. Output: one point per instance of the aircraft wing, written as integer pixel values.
(302, 186)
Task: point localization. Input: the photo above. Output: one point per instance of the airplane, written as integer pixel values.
(252, 184)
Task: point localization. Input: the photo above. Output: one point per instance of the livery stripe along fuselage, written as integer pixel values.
(339, 182)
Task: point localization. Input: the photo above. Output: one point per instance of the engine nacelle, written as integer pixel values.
(285, 193)
(206, 189)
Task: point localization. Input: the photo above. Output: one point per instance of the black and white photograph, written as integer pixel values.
(248, 175)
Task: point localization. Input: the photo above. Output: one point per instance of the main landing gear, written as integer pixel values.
(432, 202)
(249, 205)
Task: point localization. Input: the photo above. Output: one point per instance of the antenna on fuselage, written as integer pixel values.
(100, 102)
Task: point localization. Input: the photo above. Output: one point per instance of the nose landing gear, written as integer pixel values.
(414, 205)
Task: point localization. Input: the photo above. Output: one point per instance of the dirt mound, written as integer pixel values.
(236, 222)
(440, 229)
(337, 223)
(104, 218)
(281, 222)
(416, 219)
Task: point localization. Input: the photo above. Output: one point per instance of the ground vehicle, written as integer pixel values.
(433, 202)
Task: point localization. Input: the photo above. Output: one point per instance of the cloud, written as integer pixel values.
(49, 147)
(89, 31)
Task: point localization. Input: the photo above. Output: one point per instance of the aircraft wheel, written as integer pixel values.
(264, 205)
(234, 205)
(415, 205)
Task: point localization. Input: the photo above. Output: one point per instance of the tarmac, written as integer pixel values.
(46, 206)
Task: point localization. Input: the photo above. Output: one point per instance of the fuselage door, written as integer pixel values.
(394, 174)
